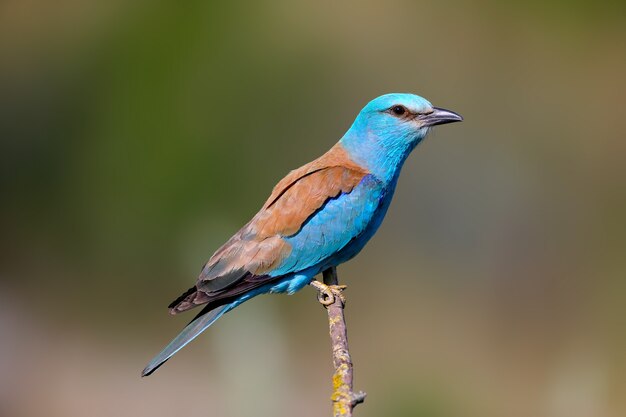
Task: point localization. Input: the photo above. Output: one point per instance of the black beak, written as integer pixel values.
(440, 116)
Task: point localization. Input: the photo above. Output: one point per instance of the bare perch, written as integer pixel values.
(330, 295)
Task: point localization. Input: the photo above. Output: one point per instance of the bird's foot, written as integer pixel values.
(327, 294)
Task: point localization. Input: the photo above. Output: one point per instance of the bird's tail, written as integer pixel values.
(193, 329)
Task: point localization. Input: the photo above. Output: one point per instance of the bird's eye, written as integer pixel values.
(399, 110)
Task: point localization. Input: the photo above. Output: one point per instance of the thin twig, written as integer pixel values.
(331, 296)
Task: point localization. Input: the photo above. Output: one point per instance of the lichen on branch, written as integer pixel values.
(331, 296)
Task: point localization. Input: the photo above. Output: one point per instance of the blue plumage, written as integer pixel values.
(318, 217)
(325, 233)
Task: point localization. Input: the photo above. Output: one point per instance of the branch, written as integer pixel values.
(330, 295)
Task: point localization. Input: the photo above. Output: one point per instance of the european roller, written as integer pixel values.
(317, 217)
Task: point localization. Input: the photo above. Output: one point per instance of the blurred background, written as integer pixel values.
(136, 137)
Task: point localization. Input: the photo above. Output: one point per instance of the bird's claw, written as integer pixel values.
(327, 294)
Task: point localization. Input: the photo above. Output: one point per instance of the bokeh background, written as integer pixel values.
(136, 137)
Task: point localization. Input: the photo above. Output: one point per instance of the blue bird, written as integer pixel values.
(317, 217)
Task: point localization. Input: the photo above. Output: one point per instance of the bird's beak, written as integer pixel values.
(439, 116)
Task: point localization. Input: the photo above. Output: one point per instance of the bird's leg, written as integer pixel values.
(327, 293)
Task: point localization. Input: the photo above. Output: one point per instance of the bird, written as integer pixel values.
(317, 217)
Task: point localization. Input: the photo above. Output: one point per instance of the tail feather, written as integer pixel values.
(208, 315)
(193, 329)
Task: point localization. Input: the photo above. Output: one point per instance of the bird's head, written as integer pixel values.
(390, 126)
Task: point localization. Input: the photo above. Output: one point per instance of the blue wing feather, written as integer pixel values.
(341, 221)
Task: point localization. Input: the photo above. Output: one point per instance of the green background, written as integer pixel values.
(136, 137)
